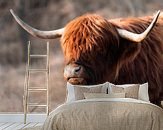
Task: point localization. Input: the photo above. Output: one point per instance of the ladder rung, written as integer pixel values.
(36, 104)
(38, 70)
(39, 56)
(37, 89)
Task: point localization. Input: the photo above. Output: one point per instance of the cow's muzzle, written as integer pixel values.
(75, 74)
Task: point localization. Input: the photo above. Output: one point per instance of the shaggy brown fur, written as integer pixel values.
(95, 43)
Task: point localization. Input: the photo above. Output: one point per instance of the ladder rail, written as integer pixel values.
(28, 74)
(26, 94)
(48, 75)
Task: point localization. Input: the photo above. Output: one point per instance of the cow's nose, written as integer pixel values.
(72, 71)
(76, 69)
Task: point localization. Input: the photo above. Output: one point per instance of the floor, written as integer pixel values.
(15, 121)
(17, 126)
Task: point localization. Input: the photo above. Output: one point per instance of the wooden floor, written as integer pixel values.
(17, 126)
(15, 121)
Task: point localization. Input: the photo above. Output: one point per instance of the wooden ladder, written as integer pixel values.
(28, 89)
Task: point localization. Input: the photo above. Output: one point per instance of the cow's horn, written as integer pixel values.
(138, 37)
(38, 33)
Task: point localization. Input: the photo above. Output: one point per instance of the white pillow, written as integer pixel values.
(76, 92)
(142, 93)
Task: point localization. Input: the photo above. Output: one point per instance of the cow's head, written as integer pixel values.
(90, 44)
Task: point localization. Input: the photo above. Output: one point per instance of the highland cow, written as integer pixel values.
(121, 51)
